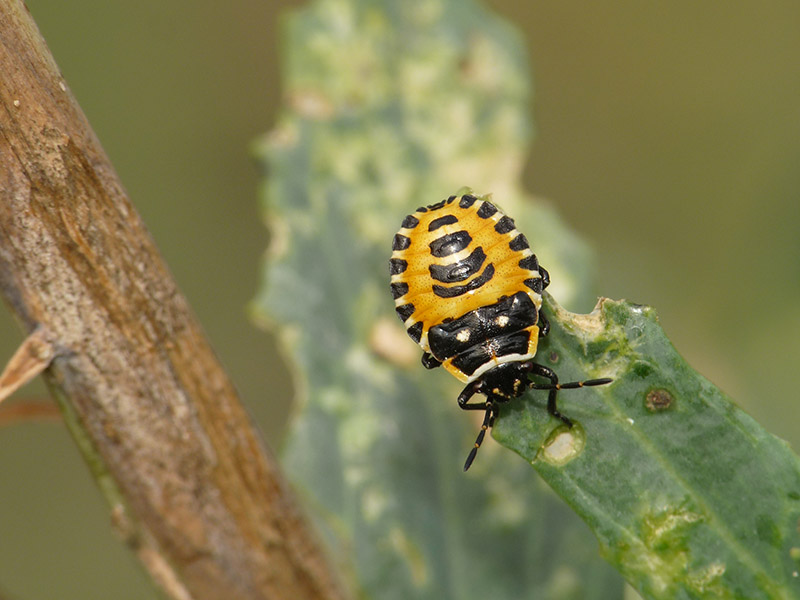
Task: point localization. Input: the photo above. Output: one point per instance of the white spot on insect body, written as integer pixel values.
(463, 335)
(502, 320)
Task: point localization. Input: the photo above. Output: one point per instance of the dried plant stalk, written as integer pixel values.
(191, 484)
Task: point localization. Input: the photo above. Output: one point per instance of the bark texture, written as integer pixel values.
(191, 485)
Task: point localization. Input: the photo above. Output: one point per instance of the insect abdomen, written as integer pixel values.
(466, 285)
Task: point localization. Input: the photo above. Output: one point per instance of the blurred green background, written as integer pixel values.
(668, 136)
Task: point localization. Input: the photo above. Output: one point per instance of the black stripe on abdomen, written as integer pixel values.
(475, 357)
(442, 221)
(397, 266)
(401, 242)
(450, 244)
(399, 289)
(506, 316)
(461, 270)
(460, 290)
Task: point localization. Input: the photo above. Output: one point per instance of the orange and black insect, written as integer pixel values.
(468, 289)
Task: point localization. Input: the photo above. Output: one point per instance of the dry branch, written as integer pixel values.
(190, 483)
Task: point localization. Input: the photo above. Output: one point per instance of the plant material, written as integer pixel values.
(392, 105)
(396, 104)
(689, 497)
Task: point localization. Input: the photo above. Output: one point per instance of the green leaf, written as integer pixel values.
(391, 105)
(396, 104)
(689, 497)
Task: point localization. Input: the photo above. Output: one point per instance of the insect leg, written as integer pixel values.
(429, 362)
(554, 386)
(545, 276)
(488, 421)
(544, 325)
(488, 418)
(467, 393)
